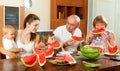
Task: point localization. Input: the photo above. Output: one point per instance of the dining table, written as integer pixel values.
(106, 65)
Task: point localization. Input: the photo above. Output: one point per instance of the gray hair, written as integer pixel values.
(75, 17)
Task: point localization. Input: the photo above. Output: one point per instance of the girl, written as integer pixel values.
(104, 39)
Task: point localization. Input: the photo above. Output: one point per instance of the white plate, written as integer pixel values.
(65, 52)
(106, 53)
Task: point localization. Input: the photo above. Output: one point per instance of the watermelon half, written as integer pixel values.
(100, 48)
(90, 52)
(29, 60)
(98, 31)
(41, 59)
(113, 50)
(79, 39)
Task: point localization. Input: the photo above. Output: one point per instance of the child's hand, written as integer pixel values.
(104, 35)
(41, 45)
(90, 35)
(12, 55)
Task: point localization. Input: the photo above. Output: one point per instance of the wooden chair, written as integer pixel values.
(2, 56)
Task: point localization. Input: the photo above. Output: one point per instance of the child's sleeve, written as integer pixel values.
(7, 44)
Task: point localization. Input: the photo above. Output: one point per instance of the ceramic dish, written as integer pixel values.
(59, 62)
(108, 54)
(65, 52)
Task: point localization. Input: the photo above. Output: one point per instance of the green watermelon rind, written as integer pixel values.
(96, 46)
(92, 52)
(26, 65)
(87, 64)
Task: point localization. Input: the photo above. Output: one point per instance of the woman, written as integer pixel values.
(26, 38)
(104, 39)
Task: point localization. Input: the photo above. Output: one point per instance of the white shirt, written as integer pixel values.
(63, 35)
(28, 48)
(8, 44)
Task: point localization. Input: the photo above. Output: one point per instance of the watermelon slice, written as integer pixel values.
(49, 52)
(29, 60)
(69, 59)
(55, 45)
(76, 38)
(41, 59)
(98, 31)
(113, 50)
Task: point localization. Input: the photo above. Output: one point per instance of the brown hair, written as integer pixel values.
(29, 19)
(8, 28)
(100, 19)
(45, 36)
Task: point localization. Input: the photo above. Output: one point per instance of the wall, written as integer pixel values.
(110, 10)
(39, 7)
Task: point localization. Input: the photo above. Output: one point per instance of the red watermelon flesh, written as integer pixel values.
(113, 50)
(29, 60)
(98, 31)
(76, 38)
(48, 52)
(55, 45)
(41, 59)
(69, 59)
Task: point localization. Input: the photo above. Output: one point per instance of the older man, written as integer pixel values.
(64, 33)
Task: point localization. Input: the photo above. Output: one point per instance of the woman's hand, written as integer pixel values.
(12, 55)
(21, 49)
